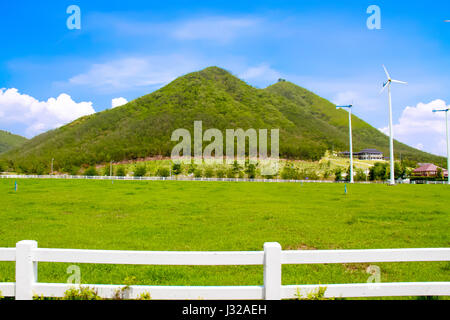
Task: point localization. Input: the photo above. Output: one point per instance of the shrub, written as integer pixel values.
(91, 171)
(251, 171)
(121, 171)
(209, 172)
(313, 295)
(360, 175)
(3, 166)
(220, 173)
(144, 296)
(176, 168)
(83, 293)
(198, 173)
(230, 173)
(140, 171)
(162, 172)
(289, 172)
(338, 174)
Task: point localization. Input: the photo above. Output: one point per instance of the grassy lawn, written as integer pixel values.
(224, 216)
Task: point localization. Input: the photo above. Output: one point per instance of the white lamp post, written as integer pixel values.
(350, 135)
(448, 144)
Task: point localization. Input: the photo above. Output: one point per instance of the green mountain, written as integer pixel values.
(309, 125)
(9, 141)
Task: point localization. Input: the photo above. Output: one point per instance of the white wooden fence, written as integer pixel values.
(27, 255)
(177, 178)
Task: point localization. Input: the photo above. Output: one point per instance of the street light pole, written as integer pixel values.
(448, 143)
(391, 140)
(350, 135)
(52, 165)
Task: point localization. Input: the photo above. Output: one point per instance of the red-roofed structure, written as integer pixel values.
(428, 170)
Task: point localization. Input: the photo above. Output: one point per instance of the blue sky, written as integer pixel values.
(50, 75)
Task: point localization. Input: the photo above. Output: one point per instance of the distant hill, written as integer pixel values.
(9, 141)
(309, 125)
(364, 135)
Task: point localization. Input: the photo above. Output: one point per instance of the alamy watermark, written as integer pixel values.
(75, 274)
(235, 149)
(374, 20)
(375, 276)
(74, 20)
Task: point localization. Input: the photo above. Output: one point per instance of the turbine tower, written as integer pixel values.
(350, 134)
(448, 142)
(391, 135)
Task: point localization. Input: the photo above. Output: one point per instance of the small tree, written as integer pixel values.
(251, 171)
(140, 171)
(198, 173)
(91, 171)
(209, 172)
(163, 172)
(176, 168)
(338, 174)
(360, 175)
(439, 174)
(121, 171)
(220, 173)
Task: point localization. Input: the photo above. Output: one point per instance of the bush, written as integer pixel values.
(176, 168)
(230, 173)
(360, 175)
(121, 172)
(289, 172)
(313, 295)
(209, 172)
(251, 171)
(198, 173)
(3, 166)
(140, 171)
(220, 173)
(91, 171)
(338, 174)
(83, 293)
(162, 172)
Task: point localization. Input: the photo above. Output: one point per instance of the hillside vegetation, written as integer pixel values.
(309, 125)
(9, 141)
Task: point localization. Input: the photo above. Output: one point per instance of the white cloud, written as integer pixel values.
(134, 72)
(39, 116)
(217, 29)
(117, 102)
(420, 127)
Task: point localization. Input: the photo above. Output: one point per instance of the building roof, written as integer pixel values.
(373, 151)
(428, 167)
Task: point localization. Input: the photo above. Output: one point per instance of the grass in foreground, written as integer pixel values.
(224, 216)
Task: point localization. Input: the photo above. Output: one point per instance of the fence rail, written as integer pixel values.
(26, 256)
(175, 178)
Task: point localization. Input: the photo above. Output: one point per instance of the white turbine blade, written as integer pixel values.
(384, 87)
(398, 81)
(387, 73)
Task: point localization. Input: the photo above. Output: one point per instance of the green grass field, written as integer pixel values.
(224, 216)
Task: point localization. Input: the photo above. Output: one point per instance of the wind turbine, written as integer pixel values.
(448, 143)
(391, 135)
(350, 134)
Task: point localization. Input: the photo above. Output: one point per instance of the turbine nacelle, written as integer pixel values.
(390, 80)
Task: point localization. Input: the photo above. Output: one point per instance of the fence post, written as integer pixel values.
(272, 271)
(26, 269)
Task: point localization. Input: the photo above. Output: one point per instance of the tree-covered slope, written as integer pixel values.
(143, 127)
(9, 141)
(364, 135)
